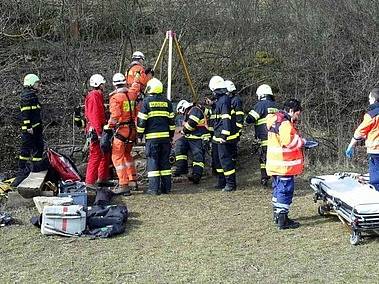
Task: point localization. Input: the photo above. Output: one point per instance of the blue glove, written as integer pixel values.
(349, 152)
(309, 144)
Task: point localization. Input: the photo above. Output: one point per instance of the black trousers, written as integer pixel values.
(182, 148)
(222, 157)
(31, 149)
(262, 161)
(158, 165)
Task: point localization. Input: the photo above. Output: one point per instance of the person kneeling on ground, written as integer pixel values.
(368, 130)
(285, 159)
(194, 132)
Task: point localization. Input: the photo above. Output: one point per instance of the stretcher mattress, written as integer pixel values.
(351, 191)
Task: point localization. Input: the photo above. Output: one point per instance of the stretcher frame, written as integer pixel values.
(357, 223)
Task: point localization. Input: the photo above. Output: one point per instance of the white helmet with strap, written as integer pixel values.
(230, 86)
(216, 82)
(96, 80)
(263, 91)
(182, 106)
(138, 55)
(118, 79)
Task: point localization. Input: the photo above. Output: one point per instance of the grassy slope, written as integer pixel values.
(196, 235)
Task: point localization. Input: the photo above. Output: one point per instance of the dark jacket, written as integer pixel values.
(195, 124)
(237, 110)
(156, 118)
(224, 122)
(30, 109)
(258, 116)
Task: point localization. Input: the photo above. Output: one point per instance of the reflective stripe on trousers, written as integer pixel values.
(123, 161)
(282, 191)
(158, 165)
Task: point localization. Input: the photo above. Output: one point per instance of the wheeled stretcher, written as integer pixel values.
(352, 199)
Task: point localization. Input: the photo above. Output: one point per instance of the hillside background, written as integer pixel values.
(323, 52)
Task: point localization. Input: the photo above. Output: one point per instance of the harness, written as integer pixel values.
(129, 123)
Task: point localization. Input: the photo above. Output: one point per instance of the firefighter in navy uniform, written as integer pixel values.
(194, 133)
(224, 135)
(31, 128)
(156, 122)
(257, 115)
(237, 110)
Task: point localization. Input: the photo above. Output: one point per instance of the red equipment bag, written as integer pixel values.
(64, 167)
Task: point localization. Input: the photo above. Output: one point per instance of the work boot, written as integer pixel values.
(228, 188)
(104, 183)
(152, 192)
(219, 186)
(264, 181)
(91, 187)
(133, 185)
(275, 216)
(195, 179)
(122, 190)
(285, 223)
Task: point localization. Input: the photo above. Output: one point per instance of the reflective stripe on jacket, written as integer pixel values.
(258, 116)
(369, 129)
(195, 125)
(222, 120)
(122, 107)
(30, 109)
(284, 146)
(237, 110)
(156, 118)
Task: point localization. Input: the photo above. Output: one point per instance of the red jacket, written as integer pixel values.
(94, 111)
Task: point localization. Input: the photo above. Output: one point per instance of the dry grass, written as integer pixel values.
(196, 235)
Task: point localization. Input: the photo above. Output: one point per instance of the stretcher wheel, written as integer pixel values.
(355, 238)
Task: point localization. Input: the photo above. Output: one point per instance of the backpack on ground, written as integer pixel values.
(63, 165)
(106, 221)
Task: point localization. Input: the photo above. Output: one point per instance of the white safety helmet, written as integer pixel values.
(264, 90)
(118, 79)
(96, 80)
(216, 82)
(182, 106)
(138, 55)
(230, 86)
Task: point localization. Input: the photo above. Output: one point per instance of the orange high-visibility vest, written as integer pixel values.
(369, 130)
(284, 146)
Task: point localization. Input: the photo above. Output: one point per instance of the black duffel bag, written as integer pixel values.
(102, 216)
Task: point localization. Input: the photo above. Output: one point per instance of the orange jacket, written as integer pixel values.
(136, 73)
(284, 146)
(369, 129)
(122, 107)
